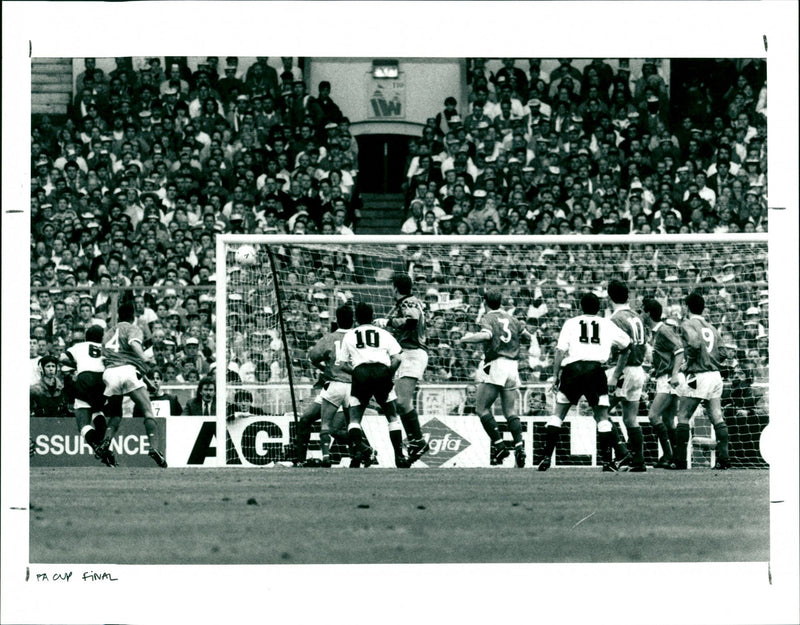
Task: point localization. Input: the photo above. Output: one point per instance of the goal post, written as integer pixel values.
(272, 308)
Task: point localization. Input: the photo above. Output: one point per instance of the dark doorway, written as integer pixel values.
(382, 163)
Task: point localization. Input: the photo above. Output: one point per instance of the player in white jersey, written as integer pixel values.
(86, 386)
(584, 345)
(334, 394)
(371, 355)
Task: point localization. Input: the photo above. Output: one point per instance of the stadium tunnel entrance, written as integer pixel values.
(383, 150)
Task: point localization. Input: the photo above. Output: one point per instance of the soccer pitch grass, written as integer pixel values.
(323, 516)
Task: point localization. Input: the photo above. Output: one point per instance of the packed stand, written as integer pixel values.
(149, 165)
(132, 189)
(593, 151)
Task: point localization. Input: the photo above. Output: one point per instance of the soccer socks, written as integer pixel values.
(681, 444)
(515, 427)
(411, 424)
(152, 434)
(325, 444)
(636, 443)
(355, 435)
(721, 431)
(620, 448)
(302, 436)
(662, 434)
(490, 426)
(396, 437)
(607, 438)
(550, 439)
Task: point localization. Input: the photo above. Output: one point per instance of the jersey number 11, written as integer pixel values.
(595, 338)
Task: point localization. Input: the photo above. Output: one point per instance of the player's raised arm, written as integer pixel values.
(318, 354)
(484, 334)
(535, 349)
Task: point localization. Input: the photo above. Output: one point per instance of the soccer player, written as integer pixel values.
(124, 374)
(666, 370)
(499, 376)
(85, 359)
(371, 355)
(627, 390)
(701, 345)
(406, 321)
(584, 345)
(335, 392)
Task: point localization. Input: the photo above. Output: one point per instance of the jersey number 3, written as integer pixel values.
(506, 332)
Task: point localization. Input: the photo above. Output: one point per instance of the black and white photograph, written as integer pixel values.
(441, 312)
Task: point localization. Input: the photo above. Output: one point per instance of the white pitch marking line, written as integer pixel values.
(584, 518)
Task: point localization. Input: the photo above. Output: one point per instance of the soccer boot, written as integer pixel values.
(401, 462)
(499, 453)
(355, 461)
(416, 449)
(520, 457)
(662, 463)
(639, 467)
(677, 466)
(610, 467)
(722, 464)
(625, 463)
(544, 464)
(370, 458)
(325, 463)
(104, 454)
(158, 458)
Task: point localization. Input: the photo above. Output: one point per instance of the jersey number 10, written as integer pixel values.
(370, 338)
(584, 337)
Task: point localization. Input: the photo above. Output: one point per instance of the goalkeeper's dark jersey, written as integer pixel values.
(413, 337)
(630, 323)
(506, 331)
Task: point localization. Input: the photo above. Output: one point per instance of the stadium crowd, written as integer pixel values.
(131, 189)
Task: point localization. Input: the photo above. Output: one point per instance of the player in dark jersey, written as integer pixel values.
(124, 376)
(665, 369)
(499, 376)
(406, 322)
(86, 387)
(334, 392)
(627, 390)
(703, 354)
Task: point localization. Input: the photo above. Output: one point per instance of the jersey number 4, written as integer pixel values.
(370, 338)
(584, 337)
(113, 342)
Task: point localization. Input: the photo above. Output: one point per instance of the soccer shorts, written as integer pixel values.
(502, 372)
(88, 390)
(372, 379)
(630, 383)
(336, 393)
(663, 387)
(703, 385)
(122, 380)
(583, 378)
(413, 364)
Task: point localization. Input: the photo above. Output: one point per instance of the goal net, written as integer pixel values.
(272, 307)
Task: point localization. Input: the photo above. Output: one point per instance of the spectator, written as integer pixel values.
(164, 404)
(47, 396)
(204, 402)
